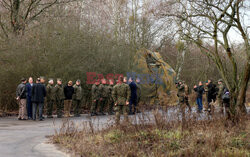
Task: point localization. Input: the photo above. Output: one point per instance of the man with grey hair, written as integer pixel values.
(21, 98)
(50, 97)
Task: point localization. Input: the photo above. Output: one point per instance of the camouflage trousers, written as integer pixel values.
(103, 104)
(121, 109)
(182, 107)
(67, 107)
(111, 105)
(50, 104)
(77, 107)
(183, 102)
(59, 108)
(94, 106)
(22, 109)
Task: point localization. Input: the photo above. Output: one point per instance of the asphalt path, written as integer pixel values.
(28, 138)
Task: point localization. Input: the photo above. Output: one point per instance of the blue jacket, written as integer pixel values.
(133, 89)
(28, 89)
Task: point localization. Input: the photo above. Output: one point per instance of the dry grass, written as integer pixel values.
(215, 137)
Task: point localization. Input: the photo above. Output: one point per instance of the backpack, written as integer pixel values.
(226, 94)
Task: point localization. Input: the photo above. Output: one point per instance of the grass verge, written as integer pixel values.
(214, 137)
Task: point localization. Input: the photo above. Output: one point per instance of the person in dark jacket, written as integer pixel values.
(210, 90)
(21, 98)
(38, 92)
(68, 93)
(200, 91)
(29, 103)
(133, 96)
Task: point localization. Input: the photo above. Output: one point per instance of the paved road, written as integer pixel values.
(28, 138)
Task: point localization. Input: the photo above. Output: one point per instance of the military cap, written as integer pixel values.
(59, 79)
(23, 79)
(78, 80)
(50, 79)
(220, 80)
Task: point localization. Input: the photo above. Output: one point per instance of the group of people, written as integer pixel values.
(212, 91)
(121, 98)
(31, 96)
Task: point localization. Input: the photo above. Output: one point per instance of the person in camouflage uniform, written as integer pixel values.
(95, 97)
(104, 91)
(110, 99)
(181, 96)
(186, 89)
(77, 97)
(220, 93)
(59, 95)
(138, 91)
(121, 96)
(50, 98)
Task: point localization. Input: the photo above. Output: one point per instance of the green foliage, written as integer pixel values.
(113, 136)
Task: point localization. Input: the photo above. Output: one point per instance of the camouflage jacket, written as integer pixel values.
(181, 90)
(95, 92)
(59, 92)
(104, 91)
(186, 89)
(110, 89)
(121, 93)
(220, 92)
(138, 91)
(77, 95)
(50, 90)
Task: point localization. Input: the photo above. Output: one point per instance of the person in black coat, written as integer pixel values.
(211, 96)
(68, 93)
(211, 92)
(133, 97)
(200, 91)
(38, 92)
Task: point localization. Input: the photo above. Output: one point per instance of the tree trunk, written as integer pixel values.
(180, 63)
(243, 89)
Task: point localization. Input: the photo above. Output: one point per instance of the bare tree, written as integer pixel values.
(208, 24)
(18, 14)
